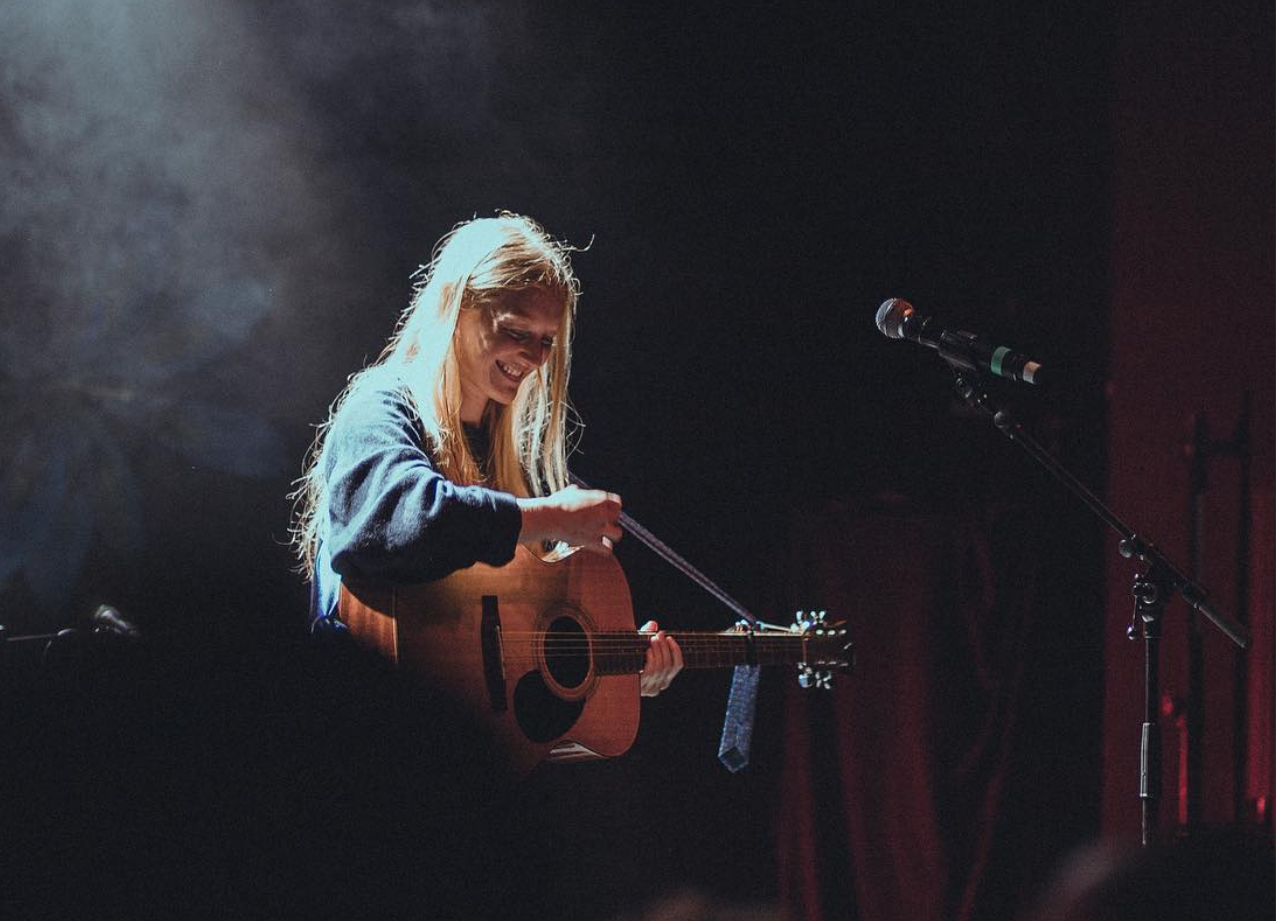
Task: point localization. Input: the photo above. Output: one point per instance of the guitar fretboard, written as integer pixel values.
(625, 653)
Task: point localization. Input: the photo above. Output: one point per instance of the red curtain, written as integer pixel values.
(1190, 332)
(1261, 671)
(903, 793)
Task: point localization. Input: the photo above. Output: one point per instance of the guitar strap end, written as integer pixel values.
(737, 729)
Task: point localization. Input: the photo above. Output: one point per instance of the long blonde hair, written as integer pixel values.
(471, 268)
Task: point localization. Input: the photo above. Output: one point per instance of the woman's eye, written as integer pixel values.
(522, 335)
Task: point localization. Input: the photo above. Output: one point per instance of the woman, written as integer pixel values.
(451, 448)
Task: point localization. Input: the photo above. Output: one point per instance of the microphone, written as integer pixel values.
(108, 621)
(899, 319)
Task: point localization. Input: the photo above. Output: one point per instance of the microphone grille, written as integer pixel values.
(891, 316)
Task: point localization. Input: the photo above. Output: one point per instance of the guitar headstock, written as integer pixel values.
(828, 648)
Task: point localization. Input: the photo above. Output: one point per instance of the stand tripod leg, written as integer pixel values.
(1150, 744)
(1150, 594)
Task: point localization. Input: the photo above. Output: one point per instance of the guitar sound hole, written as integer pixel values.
(567, 653)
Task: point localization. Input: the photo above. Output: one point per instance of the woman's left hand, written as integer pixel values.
(664, 660)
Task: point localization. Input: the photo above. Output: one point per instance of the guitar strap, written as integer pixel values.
(737, 728)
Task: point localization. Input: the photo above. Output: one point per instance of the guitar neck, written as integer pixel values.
(625, 653)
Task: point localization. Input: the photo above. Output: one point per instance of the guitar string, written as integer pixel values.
(637, 642)
(690, 639)
(730, 636)
(640, 640)
(526, 657)
(667, 553)
(577, 647)
(516, 642)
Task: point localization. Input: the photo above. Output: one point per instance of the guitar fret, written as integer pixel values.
(621, 653)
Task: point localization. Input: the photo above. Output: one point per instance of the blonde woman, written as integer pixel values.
(451, 448)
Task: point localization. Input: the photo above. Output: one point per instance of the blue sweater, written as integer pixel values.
(391, 514)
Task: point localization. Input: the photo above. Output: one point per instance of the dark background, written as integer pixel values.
(211, 216)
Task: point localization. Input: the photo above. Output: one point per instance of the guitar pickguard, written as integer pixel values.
(541, 714)
(550, 699)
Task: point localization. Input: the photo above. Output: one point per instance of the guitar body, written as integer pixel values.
(517, 644)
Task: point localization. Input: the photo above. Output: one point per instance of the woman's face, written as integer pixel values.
(501, 343)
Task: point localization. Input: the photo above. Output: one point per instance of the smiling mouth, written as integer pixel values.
(513, 375)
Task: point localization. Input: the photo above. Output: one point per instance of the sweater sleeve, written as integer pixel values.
(392, 514)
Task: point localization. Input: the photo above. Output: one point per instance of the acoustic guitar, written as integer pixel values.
(546, 652)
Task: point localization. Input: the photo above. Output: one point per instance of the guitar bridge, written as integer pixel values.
(566, 751)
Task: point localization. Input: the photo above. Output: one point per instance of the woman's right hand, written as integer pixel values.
(586, 518)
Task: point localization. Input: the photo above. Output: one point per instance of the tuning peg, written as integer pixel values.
(808, 620)
(814, 678)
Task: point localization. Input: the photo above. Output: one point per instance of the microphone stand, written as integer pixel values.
(1154, 585)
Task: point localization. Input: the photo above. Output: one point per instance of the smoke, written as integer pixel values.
(157, 151)
(148, 156)
(400, 69)
(201, 198)
(158, 186)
